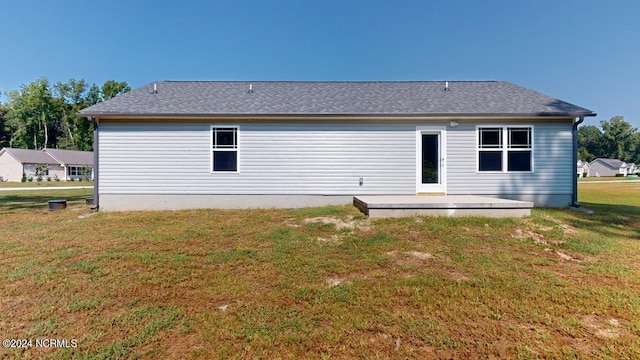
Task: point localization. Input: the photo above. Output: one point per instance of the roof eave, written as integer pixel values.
(119, 115)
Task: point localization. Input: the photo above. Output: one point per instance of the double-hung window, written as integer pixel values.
(505, 149)
(224, 149)
(519, 149)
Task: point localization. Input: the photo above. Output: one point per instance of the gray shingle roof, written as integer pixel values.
(202, 98)
(51, 156)
(30, 156)
(612, 163)
(72, 157)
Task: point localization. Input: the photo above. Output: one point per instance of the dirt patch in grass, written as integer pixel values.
(331, 282)
(342, 226)
(410, 259)
(537, 238)
(454, 274)
(349, 223)
(423, 260)
(331, 239)
(605, 328)
(568, 255)
(419, 255)
(411, 254)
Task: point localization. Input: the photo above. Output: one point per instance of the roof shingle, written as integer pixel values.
(72, 157)
(30, 156)
(612, 163)
(51, 156)
(184, 98)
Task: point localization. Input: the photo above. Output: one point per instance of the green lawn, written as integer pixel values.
(322, 282)
(22, 201)
(608, 178)
(11, 184)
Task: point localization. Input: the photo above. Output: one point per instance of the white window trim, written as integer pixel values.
(442, 131)
(236, 149)
(505, 148)
(76, 168)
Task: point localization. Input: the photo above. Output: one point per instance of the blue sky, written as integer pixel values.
(582, 51)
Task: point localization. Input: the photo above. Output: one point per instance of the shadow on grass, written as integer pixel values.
(610, 220)
(11, 202)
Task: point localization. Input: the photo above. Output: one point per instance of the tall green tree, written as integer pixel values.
(39, 115)
(94, 95)
(618, 139)
(5, 134)
(76, 132)
(589, 142)
(112, 88)
(33, 116)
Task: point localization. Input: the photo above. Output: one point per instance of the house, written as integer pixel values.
(76, 164)
(199, 144)
(632, 169)
(60, 164)
(608, 167)
(582, 168)
(15, 162)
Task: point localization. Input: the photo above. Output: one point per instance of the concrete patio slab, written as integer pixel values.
(382, 206)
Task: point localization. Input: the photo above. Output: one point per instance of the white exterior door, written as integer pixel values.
(431, 159)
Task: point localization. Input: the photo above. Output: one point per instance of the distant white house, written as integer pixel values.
(76, 164)
(582, 169)
(609, 167)
(60, 164)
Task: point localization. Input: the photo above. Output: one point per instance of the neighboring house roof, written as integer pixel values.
(30, 156)
(611, 163)
(426, 98)
(51, 156)
(71, 157)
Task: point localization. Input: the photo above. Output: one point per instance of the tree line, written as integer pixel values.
(617, 139)
(40, 115)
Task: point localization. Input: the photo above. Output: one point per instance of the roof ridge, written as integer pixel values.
(328, 81)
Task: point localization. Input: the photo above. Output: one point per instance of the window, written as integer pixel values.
(490, 154)
(224, 149)
(512, 155)
(519, 149)
(74, 171)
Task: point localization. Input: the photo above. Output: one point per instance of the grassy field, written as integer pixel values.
(22, 201)
(43, 184)
(322, 282)
(608, 178)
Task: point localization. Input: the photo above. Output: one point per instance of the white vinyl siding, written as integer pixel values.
(274, 158)
(10, 168)
(313, 158)
(552, 158)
